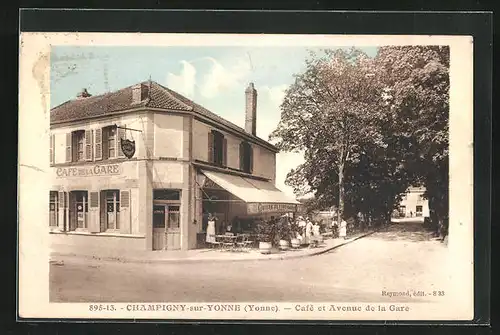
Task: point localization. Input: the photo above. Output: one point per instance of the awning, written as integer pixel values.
(260, 196)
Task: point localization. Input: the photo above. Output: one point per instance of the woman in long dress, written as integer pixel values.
(343, 229)
(211, 229)
(309, 228)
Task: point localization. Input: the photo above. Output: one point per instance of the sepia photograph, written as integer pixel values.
(223, 176)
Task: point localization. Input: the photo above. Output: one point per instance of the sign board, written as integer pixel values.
(89, 171)
(262, 208)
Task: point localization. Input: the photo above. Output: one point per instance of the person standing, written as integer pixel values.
(211, 228)
(309, 228)
(343, 229)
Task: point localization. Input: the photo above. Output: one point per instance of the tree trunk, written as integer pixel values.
(340, 212)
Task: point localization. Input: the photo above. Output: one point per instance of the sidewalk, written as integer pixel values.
(199, 255)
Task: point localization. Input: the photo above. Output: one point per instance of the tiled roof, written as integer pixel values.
(121, 100)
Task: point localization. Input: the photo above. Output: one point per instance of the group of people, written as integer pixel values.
(309, 229)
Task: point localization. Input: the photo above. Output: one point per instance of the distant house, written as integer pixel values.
(413, 203)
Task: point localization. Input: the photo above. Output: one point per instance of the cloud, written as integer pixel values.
(221, 78)
(184, 82)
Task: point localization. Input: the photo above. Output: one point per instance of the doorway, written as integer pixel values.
(166, 226)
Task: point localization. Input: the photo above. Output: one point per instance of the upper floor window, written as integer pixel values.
(217, 148)
(246, 157)
(109, 141)
(78, 145)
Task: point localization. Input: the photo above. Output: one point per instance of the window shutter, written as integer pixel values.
(250, 152)
(105, 151)
(102, 216)
(120, 134)
(88, 145)
(61, 199)
(224, 151)
(210, 147)
(94, 213)
(125, 227)
(125, 199)
(69, 138)
(51, 158)
(98, 144)
(94, 199)
(242, 156)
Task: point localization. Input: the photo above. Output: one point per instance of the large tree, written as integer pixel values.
(329, 112)
(418, 82)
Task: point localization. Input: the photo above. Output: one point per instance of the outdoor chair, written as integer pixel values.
(244, 242)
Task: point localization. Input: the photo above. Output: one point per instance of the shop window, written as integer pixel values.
(173, 217)
(165, 194)
(112, 205)
(53, 208)
(246, 157)
(217, 148)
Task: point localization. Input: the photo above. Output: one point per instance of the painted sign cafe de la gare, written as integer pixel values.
(141, 168)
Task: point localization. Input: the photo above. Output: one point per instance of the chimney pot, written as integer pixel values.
(83, 94)
(251, 109)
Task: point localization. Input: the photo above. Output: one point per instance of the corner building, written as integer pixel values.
(187, 162)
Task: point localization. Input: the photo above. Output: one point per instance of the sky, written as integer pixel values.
(214, 77)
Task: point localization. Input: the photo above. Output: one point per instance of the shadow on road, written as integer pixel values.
(412, 231)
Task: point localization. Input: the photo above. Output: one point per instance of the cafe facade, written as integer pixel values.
(141, 168)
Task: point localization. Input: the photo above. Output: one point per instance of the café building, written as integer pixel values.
(141, 168)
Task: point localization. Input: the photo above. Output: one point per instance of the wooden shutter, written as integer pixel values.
(242, 156)
(98, 144)
(119, 135)
(61, 200)
(224, 151)
(210, 147)
(125, 212)
(61, 219)
(88, 145)
(51, 158)
(250, 153)
(105, 151)
(102, 210)
(69, 139)
(94, 209)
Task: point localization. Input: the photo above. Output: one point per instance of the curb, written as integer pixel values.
(215, 260)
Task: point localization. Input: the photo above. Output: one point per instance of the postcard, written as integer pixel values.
(245, 177)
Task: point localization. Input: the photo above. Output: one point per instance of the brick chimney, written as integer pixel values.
(140, 92)
(83, 94)
(251, 110)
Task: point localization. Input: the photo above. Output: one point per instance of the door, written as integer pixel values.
(112, 210)
(418, 211)
(173, 227)
(159, 219)
(81, 209)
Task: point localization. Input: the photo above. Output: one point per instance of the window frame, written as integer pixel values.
(77, 139)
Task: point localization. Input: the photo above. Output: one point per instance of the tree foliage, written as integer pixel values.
(369, 128)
